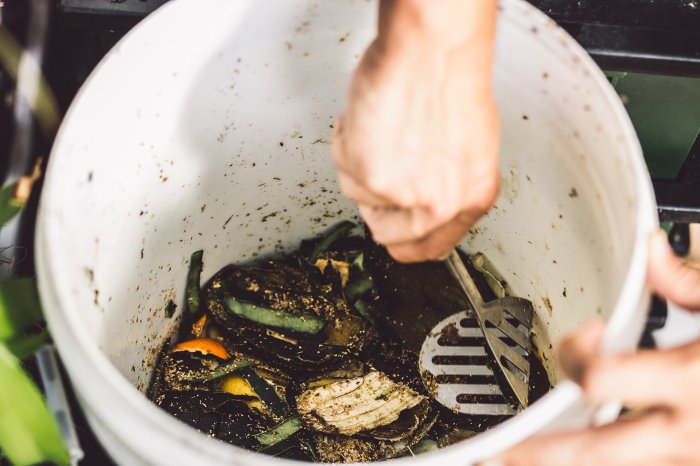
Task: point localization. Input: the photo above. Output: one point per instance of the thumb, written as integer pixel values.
(671, 277)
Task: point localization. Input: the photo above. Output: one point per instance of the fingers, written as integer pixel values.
(671, 277)
(578, 351)
(647, 378)
(438, 243)
(639, 442)
(407, 230)
(360, 195)
(353, 188)
(391, 226)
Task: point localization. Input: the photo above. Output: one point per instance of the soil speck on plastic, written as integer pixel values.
(548, 304)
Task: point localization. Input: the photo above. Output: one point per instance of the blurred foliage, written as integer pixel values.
(42, 102)
(29, 434)
(9, 207)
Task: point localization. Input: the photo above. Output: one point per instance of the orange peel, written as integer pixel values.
(204, 346)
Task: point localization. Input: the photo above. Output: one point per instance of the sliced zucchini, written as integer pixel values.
(281, 446)
(280, 432)
(192, 293)
(265, 391)
(193, 277)
(302, 323)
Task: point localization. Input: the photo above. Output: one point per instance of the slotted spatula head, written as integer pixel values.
(455, 355)
(506, 324)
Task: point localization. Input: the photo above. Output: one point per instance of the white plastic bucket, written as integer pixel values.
(208, 126)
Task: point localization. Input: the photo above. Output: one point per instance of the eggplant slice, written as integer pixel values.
(218, 415)
(286, 316)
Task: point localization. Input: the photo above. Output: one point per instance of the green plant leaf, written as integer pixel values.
(26, 346)
(19, 307)
(8, 206)
(42, 101)
(28, 432)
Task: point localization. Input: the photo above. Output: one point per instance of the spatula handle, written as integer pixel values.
(460, 273)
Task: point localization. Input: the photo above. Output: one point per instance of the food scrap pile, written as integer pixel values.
(313, 355)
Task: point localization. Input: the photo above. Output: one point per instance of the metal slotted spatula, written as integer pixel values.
(457, 352)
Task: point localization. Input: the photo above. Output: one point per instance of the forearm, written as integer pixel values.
(417, 146)
(418, 27)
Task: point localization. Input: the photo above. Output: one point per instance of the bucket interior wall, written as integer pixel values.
(220, 141)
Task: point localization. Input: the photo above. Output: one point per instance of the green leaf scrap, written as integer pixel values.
(28, 432)
(19, 307)
(9, 207)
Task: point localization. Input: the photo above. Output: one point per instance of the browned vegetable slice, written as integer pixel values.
(343, 449)
(407, 424)
(355, 405)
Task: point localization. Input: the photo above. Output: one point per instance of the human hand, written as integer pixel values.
(663, 386)
(417, 145)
